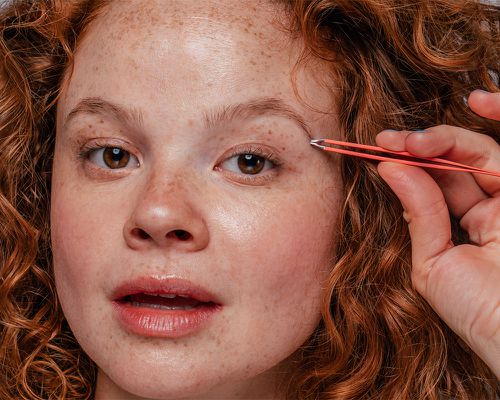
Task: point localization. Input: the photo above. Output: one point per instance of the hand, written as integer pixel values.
(461, 283)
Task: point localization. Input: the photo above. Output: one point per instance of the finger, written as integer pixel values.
(455, 144)
(483, 223)
(485, 104)
(392, 140)
(426, 213)
(460, 190)
(462, 146)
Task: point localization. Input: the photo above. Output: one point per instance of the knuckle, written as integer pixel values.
(432, 209)
(482, 223)
(435, 207)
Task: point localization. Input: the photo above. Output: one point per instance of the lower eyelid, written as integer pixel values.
(95, 172)
(257, 179)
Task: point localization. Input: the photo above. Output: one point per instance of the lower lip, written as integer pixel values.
(150, 322)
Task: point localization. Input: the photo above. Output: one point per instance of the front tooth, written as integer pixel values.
(168, 296)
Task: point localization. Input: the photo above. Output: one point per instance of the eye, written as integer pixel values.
(109, 157)
(249, 164)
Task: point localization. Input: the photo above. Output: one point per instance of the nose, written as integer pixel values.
(165, 216)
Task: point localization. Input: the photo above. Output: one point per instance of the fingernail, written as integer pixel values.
(482, 91)
(420, 130)
(390, 130)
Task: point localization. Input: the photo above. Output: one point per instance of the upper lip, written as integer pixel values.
(157, 285)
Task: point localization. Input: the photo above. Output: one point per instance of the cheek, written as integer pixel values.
(84, 228)
(276, 255)
(280, 250)
(81, 240)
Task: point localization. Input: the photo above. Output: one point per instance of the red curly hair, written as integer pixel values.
(398, 64)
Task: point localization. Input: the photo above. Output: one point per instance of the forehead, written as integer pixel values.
(139, 21)
(187, 39)
(181, 56)
(174, 13)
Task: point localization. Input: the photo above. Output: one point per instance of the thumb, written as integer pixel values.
(426, 213)
(485, 104)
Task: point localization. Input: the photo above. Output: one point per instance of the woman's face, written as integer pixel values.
(192, 222)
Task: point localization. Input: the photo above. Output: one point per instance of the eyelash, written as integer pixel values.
(86, 149)
(256, 150)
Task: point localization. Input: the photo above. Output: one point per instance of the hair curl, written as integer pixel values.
(39, 357)
(398, 64)
(401, 65)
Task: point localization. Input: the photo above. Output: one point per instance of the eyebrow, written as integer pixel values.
(227, 113)
(99, 106)
(256, 108)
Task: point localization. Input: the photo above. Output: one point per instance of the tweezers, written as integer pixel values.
(402, 157)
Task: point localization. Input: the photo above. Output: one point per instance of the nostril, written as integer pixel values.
(139, 232)
(181, 234)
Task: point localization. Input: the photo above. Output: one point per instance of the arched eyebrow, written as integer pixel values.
(99, 106)
(240, 111)
(255, 108)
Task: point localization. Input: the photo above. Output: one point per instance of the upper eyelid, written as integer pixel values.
(101, 143)
(87, 149)
(255, 148)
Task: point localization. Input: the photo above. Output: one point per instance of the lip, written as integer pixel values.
(153, 322)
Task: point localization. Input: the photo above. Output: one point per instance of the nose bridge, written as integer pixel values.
(166, 213)
(161, 185)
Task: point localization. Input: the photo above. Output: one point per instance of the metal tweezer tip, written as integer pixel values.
(316, 143)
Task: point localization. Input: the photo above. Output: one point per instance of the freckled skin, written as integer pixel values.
(263, 249)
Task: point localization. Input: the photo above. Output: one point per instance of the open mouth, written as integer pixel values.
(167, 302)
(164, 308)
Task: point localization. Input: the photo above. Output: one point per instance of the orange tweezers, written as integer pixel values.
(402, 157)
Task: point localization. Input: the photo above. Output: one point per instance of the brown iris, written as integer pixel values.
(251, 163)
(114, 157)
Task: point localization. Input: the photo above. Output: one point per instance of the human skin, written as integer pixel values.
(262, 246)
(460, 282)
(176, 65)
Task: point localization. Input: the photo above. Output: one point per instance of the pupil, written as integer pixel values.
(250, 163)
(116, 154)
